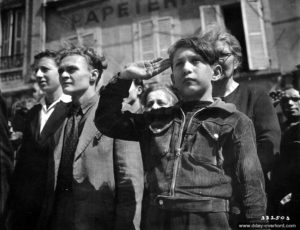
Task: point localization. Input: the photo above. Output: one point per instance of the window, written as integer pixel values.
(85, 38)
(155, 37)
(12, 24)
(211, 15)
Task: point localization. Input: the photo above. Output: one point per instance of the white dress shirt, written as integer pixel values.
(46, 112)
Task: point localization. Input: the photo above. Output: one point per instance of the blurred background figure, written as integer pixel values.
(18, 121)
(38, 124)
(287, 173)
(157, 96)
(251, 100)
(6, 159)
(133, 102)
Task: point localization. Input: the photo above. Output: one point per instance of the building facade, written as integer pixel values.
(131, 30)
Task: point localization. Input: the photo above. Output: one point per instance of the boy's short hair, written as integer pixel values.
(93, 59)
(46, 53)
(200, 46)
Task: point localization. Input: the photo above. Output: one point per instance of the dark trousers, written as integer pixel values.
(159, 219)
(63, 212)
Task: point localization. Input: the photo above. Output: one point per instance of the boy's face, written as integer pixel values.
(191, 75)
(46, 73)
(75, 74)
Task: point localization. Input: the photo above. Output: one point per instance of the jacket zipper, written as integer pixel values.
(178, 151)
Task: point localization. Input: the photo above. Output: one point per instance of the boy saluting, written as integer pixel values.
(203, 157)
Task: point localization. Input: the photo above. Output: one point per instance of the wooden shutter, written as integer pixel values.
(254, 34)
(7, 32)
(18, 32)
(164, 35)
(211, 15)
(147, 40)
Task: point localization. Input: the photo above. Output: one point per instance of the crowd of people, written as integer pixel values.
(203, 153)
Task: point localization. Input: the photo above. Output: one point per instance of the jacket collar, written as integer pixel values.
(219, 104)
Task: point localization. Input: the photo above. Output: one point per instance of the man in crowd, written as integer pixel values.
(6, 160)
(133, 102)
(29, 178)
(202, 156)
(88, 187)
(287, 173)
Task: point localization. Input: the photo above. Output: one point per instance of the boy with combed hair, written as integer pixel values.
(204, 155)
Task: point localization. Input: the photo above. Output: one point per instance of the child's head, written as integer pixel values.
(193, 63)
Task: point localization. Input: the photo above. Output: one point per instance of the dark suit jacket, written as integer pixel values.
(256, 104)
(29, 178)
(6, 159)
(104, 196)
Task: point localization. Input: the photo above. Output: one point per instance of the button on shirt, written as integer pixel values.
(46, 112)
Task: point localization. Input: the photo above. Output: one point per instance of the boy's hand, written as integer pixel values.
(145, 69)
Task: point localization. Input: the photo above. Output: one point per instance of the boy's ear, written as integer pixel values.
(217, 73)
(139, 90)
(94, 75)
(172, 79)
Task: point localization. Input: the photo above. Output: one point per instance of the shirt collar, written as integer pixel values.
(65, 98)
(44, 105)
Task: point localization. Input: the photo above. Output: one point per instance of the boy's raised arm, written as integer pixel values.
(109, 117)
(144, 69)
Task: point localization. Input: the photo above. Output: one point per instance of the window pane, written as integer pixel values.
(210, 15)
(164, 35)
(147, 43)
(6, 33)
(88, 40)
(19, 20)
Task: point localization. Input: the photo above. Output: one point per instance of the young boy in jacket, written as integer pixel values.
(202, 157)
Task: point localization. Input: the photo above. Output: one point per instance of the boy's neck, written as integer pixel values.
(205, 98)
(52, 97)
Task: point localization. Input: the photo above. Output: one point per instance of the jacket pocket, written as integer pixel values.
(205, 142)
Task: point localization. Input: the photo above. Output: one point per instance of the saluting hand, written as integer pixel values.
(145, 69)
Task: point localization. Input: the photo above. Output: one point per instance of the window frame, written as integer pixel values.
(157, 52)
(10, 44)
